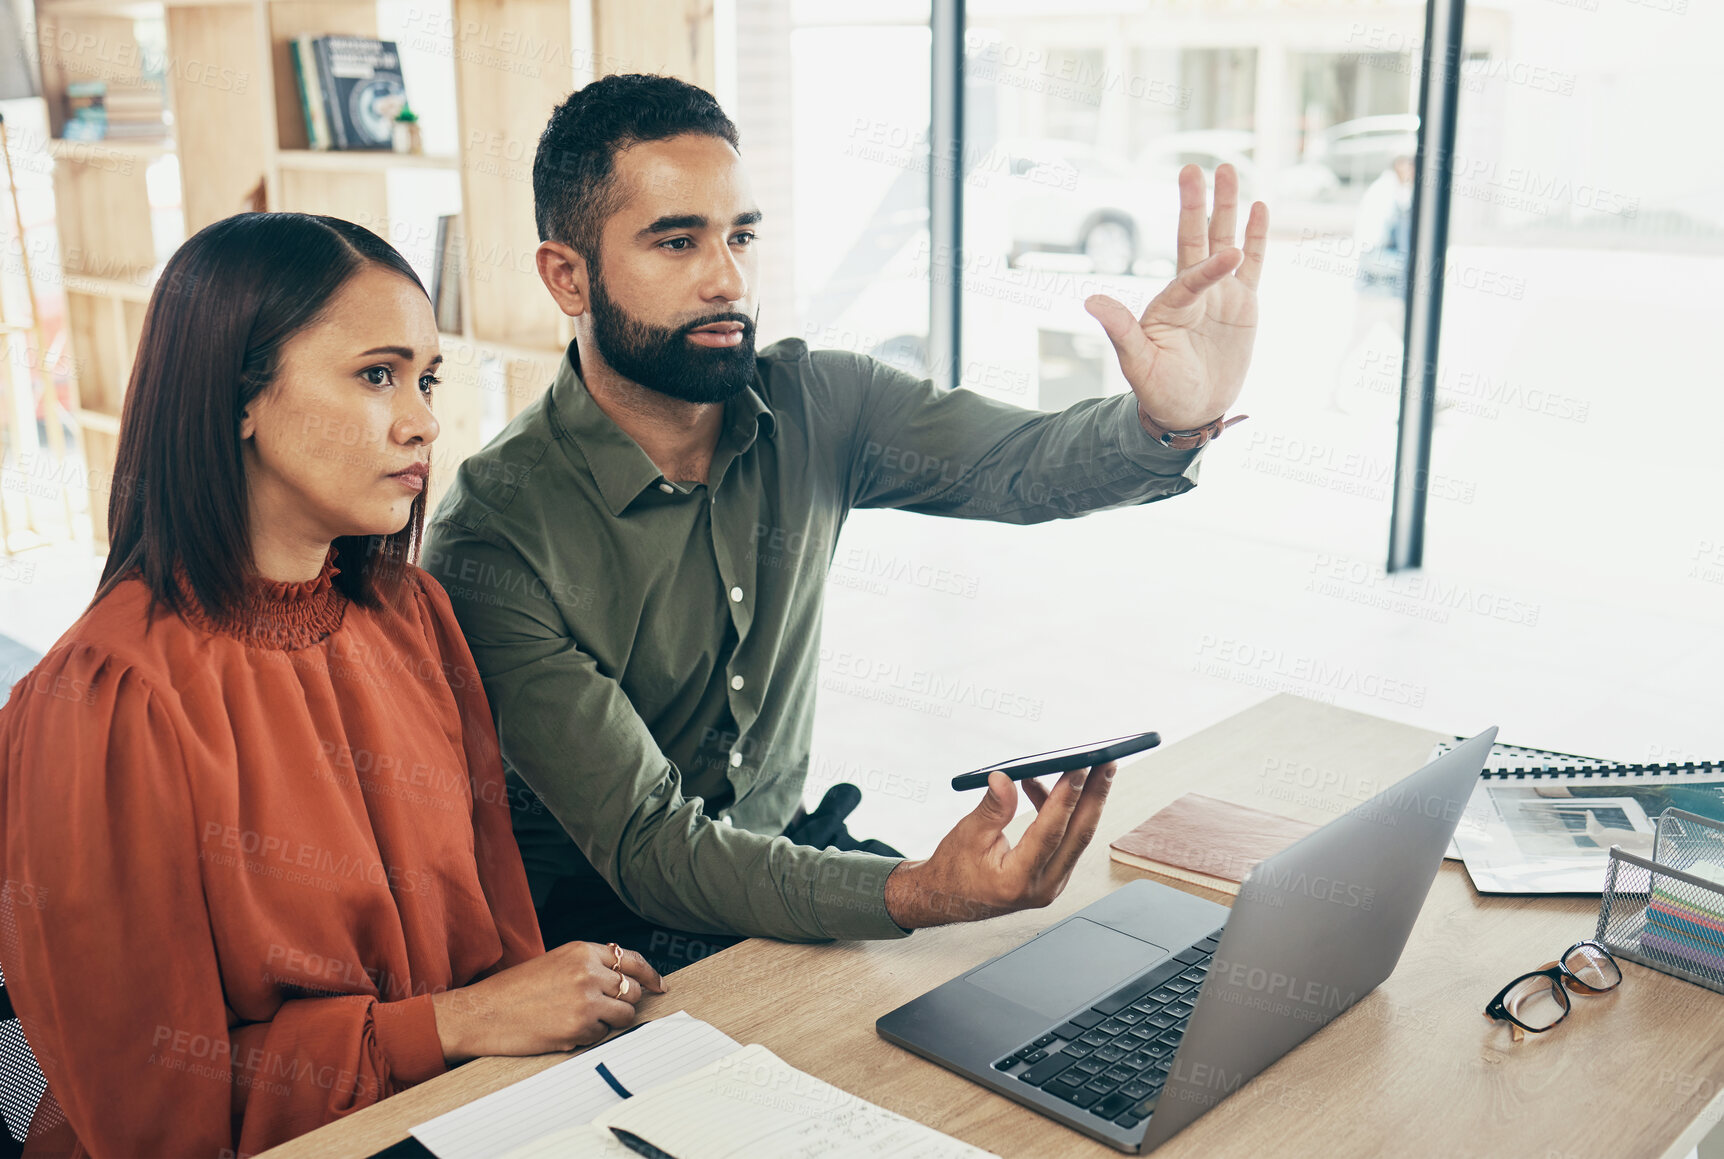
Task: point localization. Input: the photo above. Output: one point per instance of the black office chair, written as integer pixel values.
(21, 1081)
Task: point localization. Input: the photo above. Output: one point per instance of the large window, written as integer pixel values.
(1080, 117)
(833, 109)
(1578, 402)
(1574, 466)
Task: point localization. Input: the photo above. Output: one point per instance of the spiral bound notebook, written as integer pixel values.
(1544, 822)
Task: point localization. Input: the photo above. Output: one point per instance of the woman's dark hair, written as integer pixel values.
(574, 186)
(226, 303)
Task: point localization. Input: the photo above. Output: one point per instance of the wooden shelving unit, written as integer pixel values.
(237, 123)
(357, 161)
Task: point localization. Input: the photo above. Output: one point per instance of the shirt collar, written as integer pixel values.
(618, 465)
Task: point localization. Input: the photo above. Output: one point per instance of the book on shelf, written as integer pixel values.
(83, 94)
(310, 92)
(133, 104)
(1203, 841)
(351, 88)
(446, 280)
(86, 111)
(97, 110)
(136, 130)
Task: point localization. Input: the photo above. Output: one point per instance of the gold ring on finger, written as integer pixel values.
(623, 990)
(618, 951)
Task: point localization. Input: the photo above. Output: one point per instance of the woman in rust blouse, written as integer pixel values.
(255, 791)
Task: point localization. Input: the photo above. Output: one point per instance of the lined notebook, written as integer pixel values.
(1203, 841)
(1544, 822)
(571, 1093)
(678, 1087)
(750, 1103)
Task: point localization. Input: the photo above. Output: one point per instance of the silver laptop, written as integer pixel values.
(1134, 1016)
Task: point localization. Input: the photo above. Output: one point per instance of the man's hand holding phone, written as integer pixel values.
(976, 872)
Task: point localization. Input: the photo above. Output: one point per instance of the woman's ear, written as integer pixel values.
(247, 425)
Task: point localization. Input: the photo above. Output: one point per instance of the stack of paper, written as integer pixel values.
(1685, 923)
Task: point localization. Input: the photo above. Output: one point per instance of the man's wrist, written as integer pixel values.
(1154, 427)
(900, 894)
(916, 898)
(1185, 438)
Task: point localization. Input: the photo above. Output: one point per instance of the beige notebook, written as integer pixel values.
(1207, 842)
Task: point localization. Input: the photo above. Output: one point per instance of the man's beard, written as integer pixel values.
(662, 358)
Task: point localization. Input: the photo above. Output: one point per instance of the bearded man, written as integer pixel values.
(624, 558)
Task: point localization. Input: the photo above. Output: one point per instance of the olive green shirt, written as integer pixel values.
(650, 647)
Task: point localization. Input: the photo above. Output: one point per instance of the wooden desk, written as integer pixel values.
(1414, 1069)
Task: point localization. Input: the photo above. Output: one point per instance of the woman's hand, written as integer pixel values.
(573, 995)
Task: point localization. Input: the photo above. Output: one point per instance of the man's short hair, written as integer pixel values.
(574, 186)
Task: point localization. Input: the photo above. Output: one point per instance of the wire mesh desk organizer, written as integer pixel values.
(1667, 912)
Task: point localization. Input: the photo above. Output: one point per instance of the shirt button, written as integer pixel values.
(736, 595)
(735, 760)
(736, 682)
(667, 488)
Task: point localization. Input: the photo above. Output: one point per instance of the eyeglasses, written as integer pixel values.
(1537, 1001)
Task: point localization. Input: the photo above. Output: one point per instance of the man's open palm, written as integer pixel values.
(1186, 357)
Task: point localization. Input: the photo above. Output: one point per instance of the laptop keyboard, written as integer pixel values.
(1112, 1059)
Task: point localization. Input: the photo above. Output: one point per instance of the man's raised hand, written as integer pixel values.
(1186, 357)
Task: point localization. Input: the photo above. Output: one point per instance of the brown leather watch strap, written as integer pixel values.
(1185, 440)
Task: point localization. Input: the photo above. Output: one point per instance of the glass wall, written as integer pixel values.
(832, 105)
(1575, 553)
(1579, 400)
(1080, 117)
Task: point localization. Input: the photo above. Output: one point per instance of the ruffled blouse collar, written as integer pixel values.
(283, 616)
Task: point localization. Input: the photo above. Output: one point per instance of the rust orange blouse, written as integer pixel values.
(239, 861)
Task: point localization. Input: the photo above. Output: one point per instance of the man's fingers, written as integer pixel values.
(1035, 792)
(1119, 323)
(1042, 839)
(1256, 245)
(1193, 243)
(1191, 283)
(999, 804)
(1125, 331)
(1222, 221)
(1085, 819)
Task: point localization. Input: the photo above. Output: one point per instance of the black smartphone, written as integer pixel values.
(1061, 760)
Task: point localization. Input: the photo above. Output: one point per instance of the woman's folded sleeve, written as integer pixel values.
(106, 942)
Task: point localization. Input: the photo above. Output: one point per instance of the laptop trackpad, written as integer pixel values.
(1081, 959)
